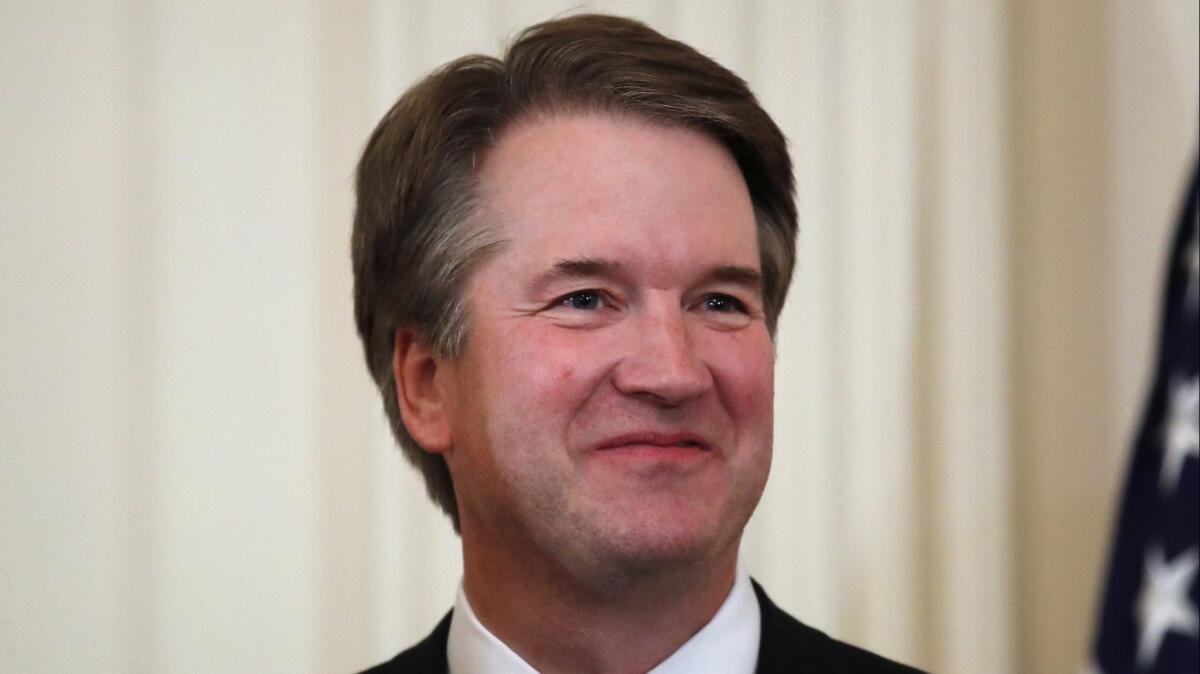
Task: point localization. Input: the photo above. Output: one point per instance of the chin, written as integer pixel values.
(661, 542)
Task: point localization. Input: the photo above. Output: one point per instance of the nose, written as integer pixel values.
(661, 363)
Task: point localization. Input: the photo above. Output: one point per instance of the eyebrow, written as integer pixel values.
(583, 267)
(590, 267)
(751, 279)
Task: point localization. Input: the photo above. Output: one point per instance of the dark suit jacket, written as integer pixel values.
(786, 647)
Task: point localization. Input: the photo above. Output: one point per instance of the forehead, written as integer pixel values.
(622, 183)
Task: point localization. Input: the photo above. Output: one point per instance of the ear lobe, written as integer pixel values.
(422, 405)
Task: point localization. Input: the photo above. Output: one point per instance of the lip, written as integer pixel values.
(651, 440)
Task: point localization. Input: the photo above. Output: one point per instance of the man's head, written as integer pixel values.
(433, 229)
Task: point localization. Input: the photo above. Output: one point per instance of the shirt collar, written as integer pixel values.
(728, 644)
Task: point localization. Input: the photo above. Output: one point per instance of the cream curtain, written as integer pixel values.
(195, 473)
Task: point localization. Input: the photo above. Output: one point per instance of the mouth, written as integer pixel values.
(651, 441)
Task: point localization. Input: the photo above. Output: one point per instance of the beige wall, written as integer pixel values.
(194, 472)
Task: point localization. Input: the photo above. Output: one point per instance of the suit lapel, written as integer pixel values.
(787, 646)
(427, 657)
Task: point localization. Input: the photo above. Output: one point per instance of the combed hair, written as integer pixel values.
(418, 232)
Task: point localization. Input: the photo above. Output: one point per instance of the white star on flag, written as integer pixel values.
(1181, 438)
(1162, 605)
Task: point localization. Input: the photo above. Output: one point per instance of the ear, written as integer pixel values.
(422, 402)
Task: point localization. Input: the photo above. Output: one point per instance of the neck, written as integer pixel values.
(558, 622)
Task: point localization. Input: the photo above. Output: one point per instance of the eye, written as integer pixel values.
(584, 300)
(587, 308)
(724, 304)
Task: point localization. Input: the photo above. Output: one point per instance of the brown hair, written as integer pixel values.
(417, 232)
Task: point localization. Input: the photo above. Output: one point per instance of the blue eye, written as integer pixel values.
(586, 300)
(724, 304)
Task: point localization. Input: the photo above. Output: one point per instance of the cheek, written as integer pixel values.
(544, 370)
(745, 368)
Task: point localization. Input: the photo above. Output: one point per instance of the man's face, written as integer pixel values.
(613, 406)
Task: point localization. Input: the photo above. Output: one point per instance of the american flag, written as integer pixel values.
(1148, 622)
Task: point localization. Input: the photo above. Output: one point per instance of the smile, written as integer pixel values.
(651, 441)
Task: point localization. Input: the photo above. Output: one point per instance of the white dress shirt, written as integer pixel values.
(728, 644)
